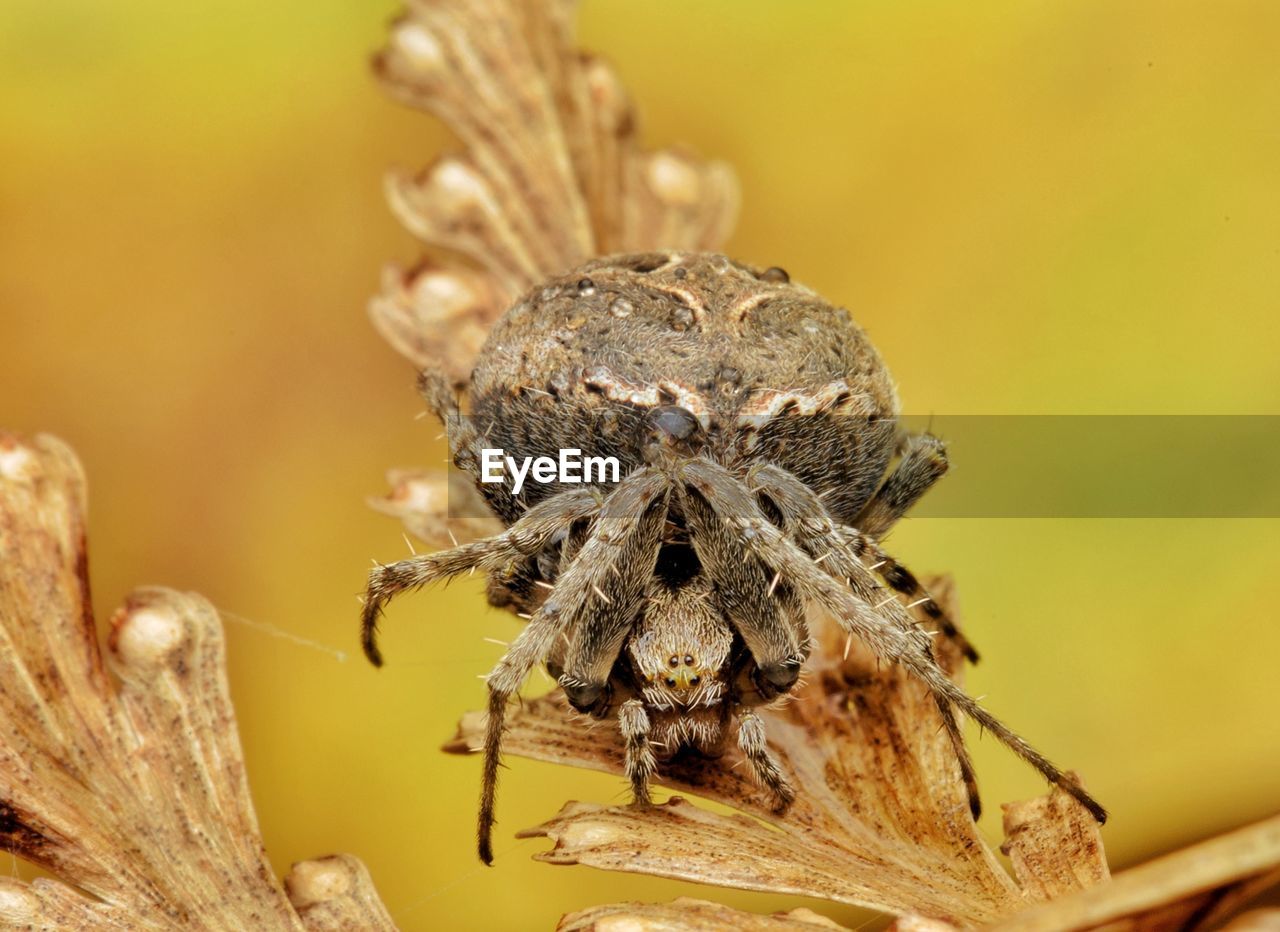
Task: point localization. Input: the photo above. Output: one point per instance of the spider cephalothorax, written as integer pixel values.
(754, 425)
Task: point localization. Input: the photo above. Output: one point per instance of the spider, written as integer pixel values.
(755, 425)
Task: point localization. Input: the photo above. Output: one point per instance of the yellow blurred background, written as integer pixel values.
(1062, 207)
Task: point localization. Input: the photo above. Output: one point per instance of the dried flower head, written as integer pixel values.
(122, 774)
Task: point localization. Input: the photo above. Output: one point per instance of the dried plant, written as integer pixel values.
(552, 173)
(122, 774)
(880, 819)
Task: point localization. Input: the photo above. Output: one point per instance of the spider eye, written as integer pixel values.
(674, 422)
(688, 659)
(671, 681)
(674, 661)
(694, 680)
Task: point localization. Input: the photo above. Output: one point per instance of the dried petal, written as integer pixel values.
(427, 500)
(690, 915)
(436, 317)
(919, 924)
(1054, 845)
(1197, 886)
(335, 893)
(682, 202)
(135, 792)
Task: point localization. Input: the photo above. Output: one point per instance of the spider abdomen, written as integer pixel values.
(769, 370)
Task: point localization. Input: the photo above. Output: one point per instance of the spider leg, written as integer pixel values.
(745, 594)
(733, 502)
(633, 722)
(503, 681)
(442, 400)
(842, 548)
(754, 747)
(520, 541)
(608, 545)
(923, 462)
(438, 393)
(808, 522)
(902, 580)
(610, 574)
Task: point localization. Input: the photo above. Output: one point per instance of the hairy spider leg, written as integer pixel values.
(811, 527)
(441, 399)
(614, 541)
(770, 620)
(902, 580)
(613, 587)
(753, 743)
(523, 539)
(923, 462)
(639, 764)
(735, 505)
(841, 549)
(778, 642)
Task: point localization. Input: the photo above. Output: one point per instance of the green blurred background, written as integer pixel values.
(1061, 207)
